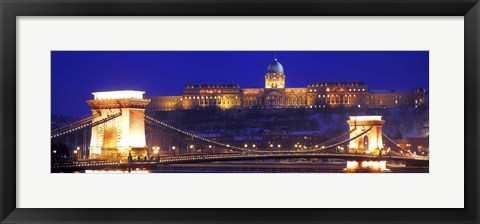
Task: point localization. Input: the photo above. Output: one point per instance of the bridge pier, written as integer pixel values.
(123, 131)
(369, 142)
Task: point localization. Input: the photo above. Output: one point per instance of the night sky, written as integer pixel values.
(76, 74)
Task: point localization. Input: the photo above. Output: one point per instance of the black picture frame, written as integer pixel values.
(10, 9)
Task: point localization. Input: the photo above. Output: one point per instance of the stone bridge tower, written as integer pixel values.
(371, 141)
(124, 129)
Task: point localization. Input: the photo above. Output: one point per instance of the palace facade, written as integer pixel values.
(276, 95)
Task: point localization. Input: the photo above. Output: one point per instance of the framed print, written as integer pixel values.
(224, 111)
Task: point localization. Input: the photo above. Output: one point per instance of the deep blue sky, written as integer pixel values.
(76, 74)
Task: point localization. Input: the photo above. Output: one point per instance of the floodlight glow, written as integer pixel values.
(114, 95)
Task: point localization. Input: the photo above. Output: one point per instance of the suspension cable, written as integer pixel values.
(85, 123)
(396, 145)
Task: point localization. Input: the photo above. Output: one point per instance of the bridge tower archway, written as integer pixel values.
(370, 142)
(124, 134)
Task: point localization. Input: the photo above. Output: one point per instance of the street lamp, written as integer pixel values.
(192, 147)
(154, 148)
(173, 150)
(156, 152)
(78, 150)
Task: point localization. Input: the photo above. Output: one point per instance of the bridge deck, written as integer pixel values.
(202, 158)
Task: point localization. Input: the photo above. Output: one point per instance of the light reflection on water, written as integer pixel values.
(117, 171)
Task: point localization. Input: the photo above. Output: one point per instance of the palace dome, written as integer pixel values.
(275, 67)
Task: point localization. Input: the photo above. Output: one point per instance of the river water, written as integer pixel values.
(269, 166)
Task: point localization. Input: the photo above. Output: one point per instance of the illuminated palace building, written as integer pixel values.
(276, 95)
